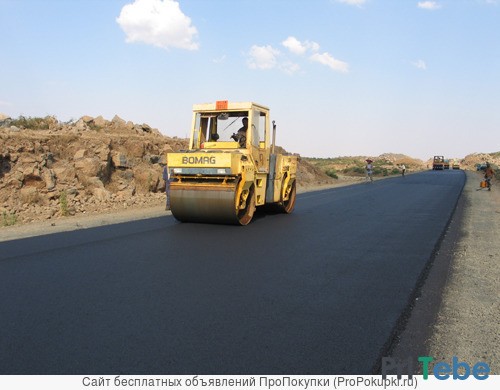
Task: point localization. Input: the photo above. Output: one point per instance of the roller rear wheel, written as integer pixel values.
(246, 206)
(288, 205)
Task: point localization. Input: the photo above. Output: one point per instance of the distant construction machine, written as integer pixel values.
(438, 163)
(231, 166)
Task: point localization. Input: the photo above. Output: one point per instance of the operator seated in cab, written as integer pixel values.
(241, 135)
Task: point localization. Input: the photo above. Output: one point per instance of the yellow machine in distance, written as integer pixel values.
(438, 163)
(231, 166)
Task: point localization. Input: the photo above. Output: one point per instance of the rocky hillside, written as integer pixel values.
(50, 169)
(384, 165)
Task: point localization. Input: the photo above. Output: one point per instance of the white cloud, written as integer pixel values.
(159, 23)
(420, 64)
(266, 57)
(294, 45)
(299, 48)
(289, 67)
(5, 103)
(263, 57)
(357, 3)
(430, 5)
(328, 60)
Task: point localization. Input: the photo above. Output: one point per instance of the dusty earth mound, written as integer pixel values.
(472, 160)
(50, 169)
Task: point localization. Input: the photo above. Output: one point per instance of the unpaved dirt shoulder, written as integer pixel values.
(467, 324)
(456, 311)
(79, 222)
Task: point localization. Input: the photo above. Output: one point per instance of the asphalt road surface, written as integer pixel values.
(318, 291)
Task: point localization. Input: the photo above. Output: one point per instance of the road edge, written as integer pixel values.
(413, 329)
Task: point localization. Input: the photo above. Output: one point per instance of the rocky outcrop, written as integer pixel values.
(50, 169)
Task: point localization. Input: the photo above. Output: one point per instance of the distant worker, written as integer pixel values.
(403, 170)
(166, 177)
(369, 170)
(488, 175)
(241, 135)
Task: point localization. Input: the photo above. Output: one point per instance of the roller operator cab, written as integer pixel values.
(231, 166)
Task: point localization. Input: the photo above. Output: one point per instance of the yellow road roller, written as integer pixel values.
(231, 166)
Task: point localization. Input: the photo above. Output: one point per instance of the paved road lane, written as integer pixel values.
(315, 292)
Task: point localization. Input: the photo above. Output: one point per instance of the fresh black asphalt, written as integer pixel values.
(318, 291)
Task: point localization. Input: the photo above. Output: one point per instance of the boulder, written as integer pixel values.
(49, 177)
(101, 194)
(100, 122)
(65, 174)
(93, 182)
(28, 169)
(80, 125)
(90, 166)
(29, 195)
(117, 121)
(15, 180)
(119, 160)
(80, 153)
(104, 153)
(147, 179)
(135, 148)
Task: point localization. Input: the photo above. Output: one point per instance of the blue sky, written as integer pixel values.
(342, 77)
